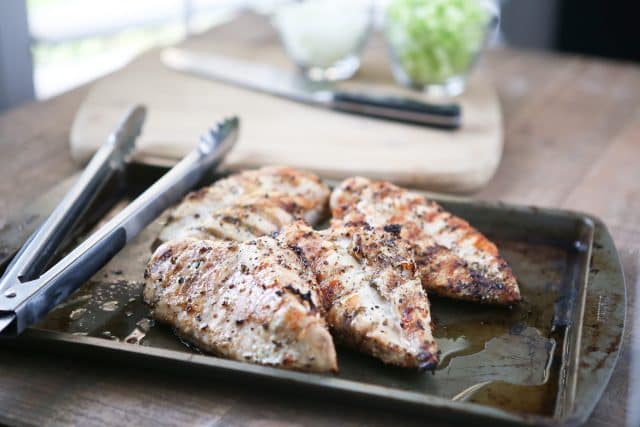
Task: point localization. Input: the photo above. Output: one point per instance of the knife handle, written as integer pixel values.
(445, 116)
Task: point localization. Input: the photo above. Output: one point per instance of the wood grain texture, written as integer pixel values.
(572, 141)
(34, 149)
(278, 131)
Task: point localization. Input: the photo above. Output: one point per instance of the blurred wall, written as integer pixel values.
(591, 27)
(530, 23)
(595, 27)
(16, 68)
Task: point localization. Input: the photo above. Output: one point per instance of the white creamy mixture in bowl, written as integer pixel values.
(324, 37)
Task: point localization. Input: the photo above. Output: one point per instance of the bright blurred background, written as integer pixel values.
(50, 46)
(74, 41)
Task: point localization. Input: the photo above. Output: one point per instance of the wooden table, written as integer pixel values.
(572, 141)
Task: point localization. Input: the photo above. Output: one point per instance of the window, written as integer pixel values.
(75, 41)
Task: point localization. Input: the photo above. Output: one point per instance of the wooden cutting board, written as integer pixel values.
(277, 131)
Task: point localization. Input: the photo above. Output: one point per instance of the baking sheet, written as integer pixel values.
(546, 360)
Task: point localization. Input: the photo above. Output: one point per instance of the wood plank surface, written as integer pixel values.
(572, 128)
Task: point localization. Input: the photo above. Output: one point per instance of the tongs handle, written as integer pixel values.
(37, 252)
(25, 303)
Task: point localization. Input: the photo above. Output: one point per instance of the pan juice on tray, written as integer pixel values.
(515, 359)
(366, 275)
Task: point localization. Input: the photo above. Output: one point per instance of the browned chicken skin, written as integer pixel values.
(253, 301)
(265, 299)
(453, 258)
(248, 204)
(372, 298)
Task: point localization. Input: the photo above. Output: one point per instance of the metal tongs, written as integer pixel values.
(27, 292)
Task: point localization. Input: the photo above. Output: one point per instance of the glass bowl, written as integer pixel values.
(434, 43)
(324, 37)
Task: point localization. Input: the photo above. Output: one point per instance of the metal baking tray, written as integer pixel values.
(545, 361)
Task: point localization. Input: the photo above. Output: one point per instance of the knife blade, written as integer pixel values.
(269, 80)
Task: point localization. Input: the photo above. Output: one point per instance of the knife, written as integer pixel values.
(266, 79)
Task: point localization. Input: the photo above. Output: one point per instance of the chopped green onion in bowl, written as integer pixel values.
(434, 41)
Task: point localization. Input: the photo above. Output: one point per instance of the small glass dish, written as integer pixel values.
(434, 43)
(324, 37)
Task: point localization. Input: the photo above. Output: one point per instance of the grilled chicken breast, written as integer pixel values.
(271, 195)
(253, 301)
(370, 293)
(247, 218)
(454, 259)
